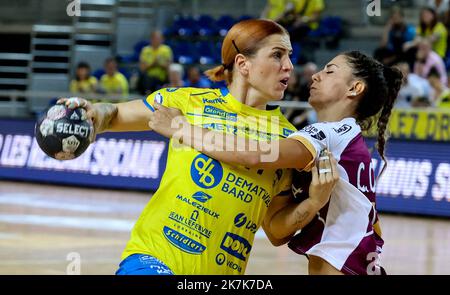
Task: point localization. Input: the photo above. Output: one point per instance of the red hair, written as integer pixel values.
(246, 38)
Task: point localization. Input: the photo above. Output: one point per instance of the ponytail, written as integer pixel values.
(393, 78)
(219, 73)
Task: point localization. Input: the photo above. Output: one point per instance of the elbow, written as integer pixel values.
(277, 243)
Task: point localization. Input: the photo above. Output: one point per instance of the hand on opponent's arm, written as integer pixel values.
(282, 223)
(229, 148)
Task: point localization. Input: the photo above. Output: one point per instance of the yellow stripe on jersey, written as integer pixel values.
(203, 217)
(310, 148)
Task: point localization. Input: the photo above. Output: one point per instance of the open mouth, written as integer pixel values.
(284, 81)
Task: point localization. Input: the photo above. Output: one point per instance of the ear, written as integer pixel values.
(241, 64)
(356, 89)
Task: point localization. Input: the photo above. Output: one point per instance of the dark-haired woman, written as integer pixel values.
(352, 91)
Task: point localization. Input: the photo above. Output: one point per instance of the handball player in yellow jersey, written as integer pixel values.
(204, 216)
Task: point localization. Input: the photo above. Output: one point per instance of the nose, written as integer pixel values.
(316, 77)
(287, 65)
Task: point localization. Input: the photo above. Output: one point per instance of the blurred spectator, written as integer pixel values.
(298, 90)
(154, 64)
(396, 33)
(441, 92)
(113, 82)
(414, 89)
(426, 59)
(292, 92)
(303, 17)
(431, 29)
(309, 69)
(195, 79)
(83, 82)
(274, 9)
(440, 6)
(176, 73)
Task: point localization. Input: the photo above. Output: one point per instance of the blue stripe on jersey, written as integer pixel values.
(148, 105)
(224, 91)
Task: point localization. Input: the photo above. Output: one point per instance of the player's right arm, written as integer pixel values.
(125, 116)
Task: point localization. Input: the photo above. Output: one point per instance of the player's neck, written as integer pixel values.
(247, 95)
(334, 114)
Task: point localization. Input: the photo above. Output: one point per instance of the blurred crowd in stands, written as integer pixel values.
(421, 53)
(177, 56)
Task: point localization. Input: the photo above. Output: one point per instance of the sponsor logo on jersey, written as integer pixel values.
(241, 220)
(183, 242)
(201, 197)
(241, 129)
(314, 132)
(173, 89)
(236, 246)
(190, 223)
(244, 189)
(287, 132)
(221, 259)
(343, 129)
(206, 172)
(216, 112)
(199, 206)
(214, 100)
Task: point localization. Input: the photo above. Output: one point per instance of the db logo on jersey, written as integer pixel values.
(206, 172)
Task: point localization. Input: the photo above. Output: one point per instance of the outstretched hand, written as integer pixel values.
(166, 121)
(99, 114)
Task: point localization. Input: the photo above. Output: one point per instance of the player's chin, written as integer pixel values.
(277, 95)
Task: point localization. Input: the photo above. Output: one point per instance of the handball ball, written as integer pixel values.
(64, 133)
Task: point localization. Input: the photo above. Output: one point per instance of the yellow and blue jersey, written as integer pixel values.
(204, 216)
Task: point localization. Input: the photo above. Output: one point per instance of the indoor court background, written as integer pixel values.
(40, 225)
(46, 226)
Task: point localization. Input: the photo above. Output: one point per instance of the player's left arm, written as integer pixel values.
(292, 217)
(232, 149)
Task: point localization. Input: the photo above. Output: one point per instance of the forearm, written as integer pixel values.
(293, 218)
(275, 241)
(126, 116)
(224, 147)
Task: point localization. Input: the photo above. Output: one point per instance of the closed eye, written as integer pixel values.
(330, 72)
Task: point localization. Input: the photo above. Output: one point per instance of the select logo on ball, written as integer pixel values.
(64, 133)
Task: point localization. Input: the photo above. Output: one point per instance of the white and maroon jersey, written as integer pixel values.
(345, 232)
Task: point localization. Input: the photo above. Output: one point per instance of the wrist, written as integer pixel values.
(105, 114)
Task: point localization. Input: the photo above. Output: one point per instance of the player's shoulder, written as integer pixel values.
(346, 128)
